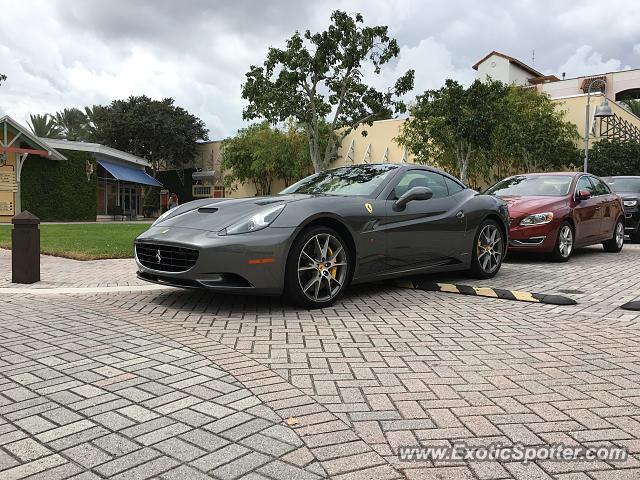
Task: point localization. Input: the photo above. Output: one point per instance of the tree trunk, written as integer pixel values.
(314, 146)
(463, 162)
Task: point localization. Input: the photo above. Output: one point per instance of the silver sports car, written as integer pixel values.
(332, 229)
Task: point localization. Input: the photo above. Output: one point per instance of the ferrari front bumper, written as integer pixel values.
(253, 263)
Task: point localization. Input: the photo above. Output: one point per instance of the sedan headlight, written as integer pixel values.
(537, 219)
(630, 203)
(255, 222)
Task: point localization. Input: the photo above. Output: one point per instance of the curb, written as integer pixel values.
(500, 293)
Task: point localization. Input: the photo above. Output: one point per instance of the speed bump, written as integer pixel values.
(635, 305)
(488, 292)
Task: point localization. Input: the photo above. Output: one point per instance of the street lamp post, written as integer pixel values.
(602, 110)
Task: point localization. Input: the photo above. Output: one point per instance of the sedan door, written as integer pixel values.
(610, 208)
(425, 232)
(587, 213)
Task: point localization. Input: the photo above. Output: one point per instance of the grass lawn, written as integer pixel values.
(84, 241)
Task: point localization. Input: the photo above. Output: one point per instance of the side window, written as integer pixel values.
(453, 186)
(422, 178)
(600, 186)
(585, 184)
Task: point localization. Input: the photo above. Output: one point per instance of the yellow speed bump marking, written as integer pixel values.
(485, 292)
(448, 287)
(524, 296)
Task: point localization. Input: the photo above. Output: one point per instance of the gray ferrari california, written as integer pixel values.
(335, 228)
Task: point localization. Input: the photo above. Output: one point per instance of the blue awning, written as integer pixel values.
(129, 174)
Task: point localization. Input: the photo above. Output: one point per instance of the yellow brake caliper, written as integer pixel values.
(334, 270)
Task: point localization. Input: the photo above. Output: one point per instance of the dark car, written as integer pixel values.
(555, 212)
(629, 189)
(342, 226)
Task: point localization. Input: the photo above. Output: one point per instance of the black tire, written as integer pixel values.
(615, 244)
(563, 248)
(332, 277)
(482, 257)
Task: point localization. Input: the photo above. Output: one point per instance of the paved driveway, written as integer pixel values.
(183, 384)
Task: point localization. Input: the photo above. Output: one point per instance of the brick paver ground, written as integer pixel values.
(385, 367)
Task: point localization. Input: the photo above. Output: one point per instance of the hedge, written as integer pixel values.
(59, 190)
(615, 157)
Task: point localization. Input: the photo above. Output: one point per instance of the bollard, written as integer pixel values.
(25, 248)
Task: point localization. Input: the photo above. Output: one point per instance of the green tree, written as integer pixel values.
(3, 77)
(532, 135)
(453, 126)
(615, 157)
(260, 154)
(157, 130)
(319, 77)
(634, 106)
(44, 126)
(72, 122)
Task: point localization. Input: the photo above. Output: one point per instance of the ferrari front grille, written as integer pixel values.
(165, 258)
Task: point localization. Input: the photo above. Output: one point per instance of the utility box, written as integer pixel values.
(25, 248)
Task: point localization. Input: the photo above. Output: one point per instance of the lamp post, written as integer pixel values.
(602, 110)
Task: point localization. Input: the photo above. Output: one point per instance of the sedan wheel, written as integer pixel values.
(564, 244)
(321, 263)
(489, 250)
(617, 241)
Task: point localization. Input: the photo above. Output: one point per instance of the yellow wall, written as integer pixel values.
(575, 113)
(380, 138)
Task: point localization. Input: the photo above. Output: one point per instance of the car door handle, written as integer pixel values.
(460, 214)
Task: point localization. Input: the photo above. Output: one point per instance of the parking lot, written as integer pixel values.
(104, 377)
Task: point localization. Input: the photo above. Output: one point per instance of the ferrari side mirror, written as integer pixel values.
(415, 193)
(583, 195)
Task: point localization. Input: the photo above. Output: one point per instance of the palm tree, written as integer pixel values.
(44, 126)
(73, 123)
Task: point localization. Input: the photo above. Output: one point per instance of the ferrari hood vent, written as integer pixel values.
(207, 209)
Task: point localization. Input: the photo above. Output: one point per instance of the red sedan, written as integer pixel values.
(555, 212)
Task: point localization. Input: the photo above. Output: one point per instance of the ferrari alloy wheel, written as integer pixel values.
(488, 251)
(564, 243)
(321, 263)
(617, 241)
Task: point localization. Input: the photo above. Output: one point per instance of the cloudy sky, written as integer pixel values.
(64, 53)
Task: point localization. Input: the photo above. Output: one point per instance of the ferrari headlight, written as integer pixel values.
(255, 222)
(630, 203)
(537, 219)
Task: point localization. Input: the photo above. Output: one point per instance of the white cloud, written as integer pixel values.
(432, 62)
(78, 53)
(587, 61)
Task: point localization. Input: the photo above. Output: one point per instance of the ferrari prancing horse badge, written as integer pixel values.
(369, 207)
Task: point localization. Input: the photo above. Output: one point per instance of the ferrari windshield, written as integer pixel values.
(533, 185)
(624, 184)
(356, 180)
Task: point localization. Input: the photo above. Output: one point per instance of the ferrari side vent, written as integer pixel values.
(166, 258)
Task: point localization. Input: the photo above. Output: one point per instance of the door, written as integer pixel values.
(587, 213)
(609, 208)
(425, 232)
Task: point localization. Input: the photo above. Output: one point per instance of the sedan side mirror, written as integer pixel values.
(583, 195)
(415, 193)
